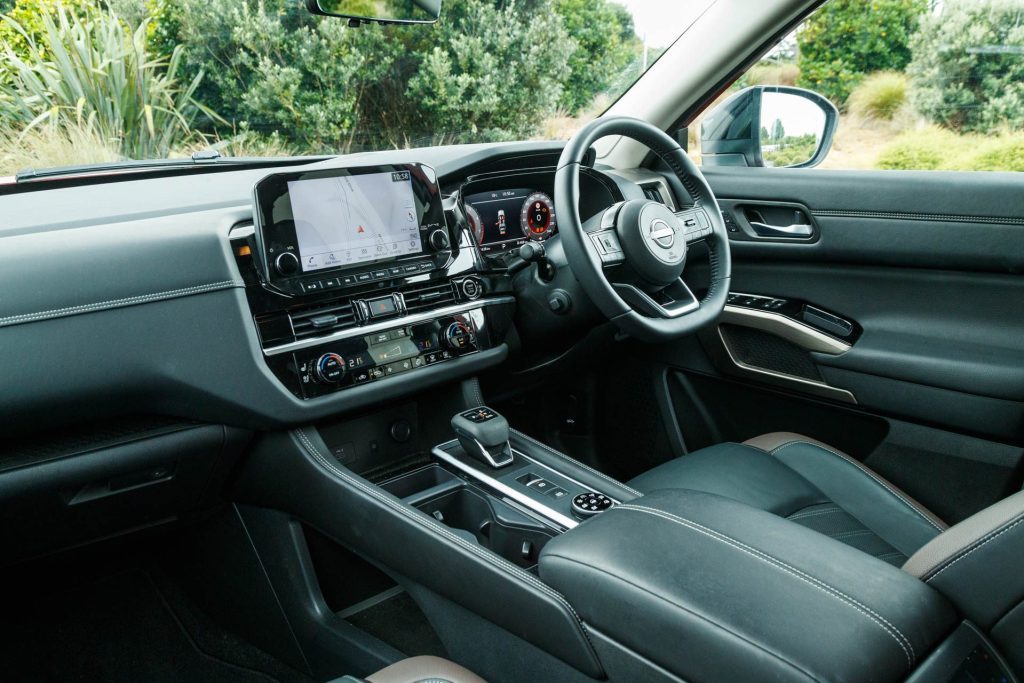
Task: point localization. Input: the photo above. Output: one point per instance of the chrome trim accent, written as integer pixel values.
(489, 459)
(239, 231)
(412, 319)
(807, 386)
(793, 331)
(505, 490)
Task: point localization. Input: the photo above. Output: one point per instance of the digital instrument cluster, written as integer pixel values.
(503, 220)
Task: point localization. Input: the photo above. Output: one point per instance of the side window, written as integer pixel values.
(915, 85)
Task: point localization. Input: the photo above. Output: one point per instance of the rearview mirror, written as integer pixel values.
(382, 11)
(769, 125)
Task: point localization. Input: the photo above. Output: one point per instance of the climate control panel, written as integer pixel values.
(383, 353)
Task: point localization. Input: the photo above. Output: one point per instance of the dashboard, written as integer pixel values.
(166, 299)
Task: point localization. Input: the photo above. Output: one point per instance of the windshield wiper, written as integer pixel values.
(209, 157)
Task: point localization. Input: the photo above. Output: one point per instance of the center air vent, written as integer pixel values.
(427, 296)
(323, 319)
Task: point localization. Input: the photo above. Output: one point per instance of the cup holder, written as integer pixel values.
(493, 524)
(472, 513)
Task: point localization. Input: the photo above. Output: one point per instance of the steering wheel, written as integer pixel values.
(630, 258)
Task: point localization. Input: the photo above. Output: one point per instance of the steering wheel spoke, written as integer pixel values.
(696, 224)
(669, 303)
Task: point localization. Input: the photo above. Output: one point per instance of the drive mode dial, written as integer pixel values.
(590, 503)
(330, 368)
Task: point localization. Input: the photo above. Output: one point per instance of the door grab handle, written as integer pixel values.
(795, 230)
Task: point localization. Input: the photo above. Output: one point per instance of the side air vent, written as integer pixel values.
(429, 296)
(653, 193)
(323, 319)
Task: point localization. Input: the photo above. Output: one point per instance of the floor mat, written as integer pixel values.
(125, 628)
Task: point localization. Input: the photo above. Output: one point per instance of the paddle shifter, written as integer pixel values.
(483, 434)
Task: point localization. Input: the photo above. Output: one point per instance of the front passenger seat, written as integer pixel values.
(976, 564)
(809, 483)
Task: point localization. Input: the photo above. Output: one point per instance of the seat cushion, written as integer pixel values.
(809, 483)
(423, 669)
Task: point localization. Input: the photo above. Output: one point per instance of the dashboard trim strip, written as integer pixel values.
(118, 303)
(412, 319)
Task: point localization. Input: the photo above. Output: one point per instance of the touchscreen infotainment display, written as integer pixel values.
(346, 220)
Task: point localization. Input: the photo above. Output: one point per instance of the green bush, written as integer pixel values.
(879, 96)
(846, 39)
(479, 73)
(29, 15)
(91, 72)
(938, 149)
(921, 150)
(605, 43)
(967, 71)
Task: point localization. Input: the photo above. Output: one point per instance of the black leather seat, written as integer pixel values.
(811, 484)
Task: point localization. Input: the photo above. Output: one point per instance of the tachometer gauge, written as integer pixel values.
(538, 216)
(475, 223)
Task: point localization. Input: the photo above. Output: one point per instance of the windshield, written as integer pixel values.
(90, 81)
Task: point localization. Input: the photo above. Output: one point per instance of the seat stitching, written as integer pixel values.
(684, 608)
(850, 534)
(815, 513)
(423, 520)
(839, 595)
(865, 470)
(893, 555)
(600, 475)
(995, 533)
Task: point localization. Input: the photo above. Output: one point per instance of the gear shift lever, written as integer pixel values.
(483, 433)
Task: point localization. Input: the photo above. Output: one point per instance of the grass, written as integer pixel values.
(937, 149)
(880, 96)
(50, 146)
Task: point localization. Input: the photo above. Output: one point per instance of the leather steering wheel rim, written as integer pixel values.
(585, 259)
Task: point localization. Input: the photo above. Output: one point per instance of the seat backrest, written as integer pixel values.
(979, 566)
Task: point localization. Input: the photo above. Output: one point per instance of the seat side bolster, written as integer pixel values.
(976, 563)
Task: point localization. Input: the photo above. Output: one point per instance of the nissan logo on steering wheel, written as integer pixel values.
(663, 234)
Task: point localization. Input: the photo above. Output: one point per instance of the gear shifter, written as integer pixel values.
(483, 433)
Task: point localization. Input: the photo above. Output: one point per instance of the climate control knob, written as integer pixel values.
(459, 336)
(330, 368)
(287, 264)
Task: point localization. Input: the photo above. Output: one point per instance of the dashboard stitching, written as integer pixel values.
(116, 303)
(423, 520)
(900, 215)
(871, 614)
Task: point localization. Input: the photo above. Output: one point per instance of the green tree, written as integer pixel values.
(606, 42)
(967, 71)
(479, 73)
(848, 39)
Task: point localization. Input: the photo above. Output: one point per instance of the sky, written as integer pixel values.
(662, 20)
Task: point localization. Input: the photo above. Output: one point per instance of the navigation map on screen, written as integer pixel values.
(347, 220)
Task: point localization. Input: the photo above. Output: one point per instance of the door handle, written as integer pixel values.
(794, 230)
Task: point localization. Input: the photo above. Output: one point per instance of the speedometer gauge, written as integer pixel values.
(538, 216)
(476, 225)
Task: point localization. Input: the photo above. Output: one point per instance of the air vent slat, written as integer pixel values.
(321, 319)
(429, 296)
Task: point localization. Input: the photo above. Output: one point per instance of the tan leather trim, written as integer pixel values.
(424, 668)
(775, 440)
(964, 538)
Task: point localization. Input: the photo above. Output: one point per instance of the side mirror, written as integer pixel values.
(769, 125)
(385, 12)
